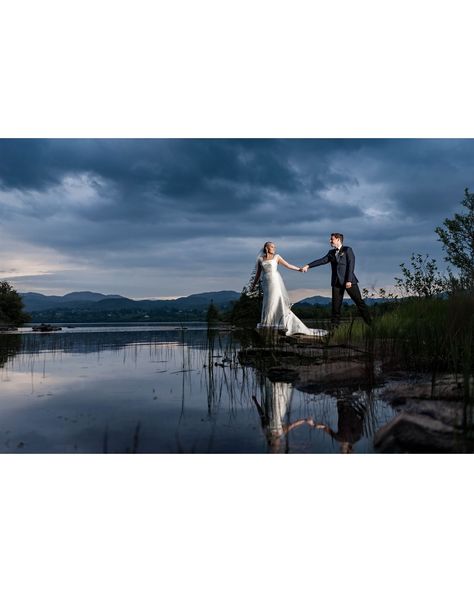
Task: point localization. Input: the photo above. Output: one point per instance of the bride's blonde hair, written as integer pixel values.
(264, 250)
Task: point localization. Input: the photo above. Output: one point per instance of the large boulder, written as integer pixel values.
(420, 433)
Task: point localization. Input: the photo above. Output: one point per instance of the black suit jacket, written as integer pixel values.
(342, 270)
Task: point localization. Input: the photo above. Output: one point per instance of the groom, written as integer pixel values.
(342, 261)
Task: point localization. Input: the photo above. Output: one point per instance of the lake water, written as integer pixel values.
(164, 389)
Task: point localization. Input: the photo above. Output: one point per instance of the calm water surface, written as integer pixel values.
(162, 389)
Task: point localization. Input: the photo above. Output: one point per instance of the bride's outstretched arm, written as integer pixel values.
(288, 265)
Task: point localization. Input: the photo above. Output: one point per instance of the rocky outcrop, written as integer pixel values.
(401, 388)
(313, 369)
(433, 417)
(409, 432)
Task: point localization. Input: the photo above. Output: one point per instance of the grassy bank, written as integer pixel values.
(427, 335)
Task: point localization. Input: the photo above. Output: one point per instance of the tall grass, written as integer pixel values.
(421, 335)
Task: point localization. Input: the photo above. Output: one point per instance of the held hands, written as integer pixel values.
(304, 269)
(318, 426)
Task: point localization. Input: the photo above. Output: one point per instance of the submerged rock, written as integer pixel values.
(450, 413)
(418, 433)
(334, 376)
(447, 387)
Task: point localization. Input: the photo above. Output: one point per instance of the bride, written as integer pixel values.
(276, 310)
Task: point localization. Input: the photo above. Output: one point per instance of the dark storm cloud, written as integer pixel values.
(142, 203)
(422, 176)
(199, 184)
(177, 166)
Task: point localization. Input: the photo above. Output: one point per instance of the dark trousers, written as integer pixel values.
(354, 293)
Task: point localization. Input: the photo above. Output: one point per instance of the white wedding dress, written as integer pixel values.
(276, 310)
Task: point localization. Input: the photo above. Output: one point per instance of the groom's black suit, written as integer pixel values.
(342, 265)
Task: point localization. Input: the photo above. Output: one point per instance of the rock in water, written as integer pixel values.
(416, 433)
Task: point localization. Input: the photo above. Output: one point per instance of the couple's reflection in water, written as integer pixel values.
(274, 411)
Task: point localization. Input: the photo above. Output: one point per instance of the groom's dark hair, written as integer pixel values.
(338, 235)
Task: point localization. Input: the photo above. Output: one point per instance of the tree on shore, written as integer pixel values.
(212, 316)
(422, 278)
(246, 311)
(11, 306)
(457, 237)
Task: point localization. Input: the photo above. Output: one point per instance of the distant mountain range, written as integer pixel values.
(95, 306)
(33, 301)
(314, 300)
(324, 301)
